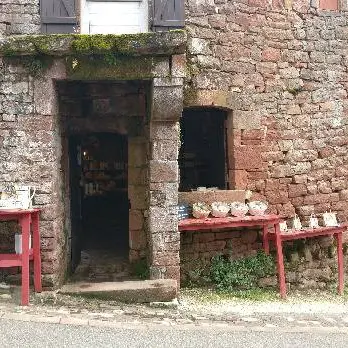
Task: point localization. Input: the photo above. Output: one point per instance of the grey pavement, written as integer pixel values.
(31, 334)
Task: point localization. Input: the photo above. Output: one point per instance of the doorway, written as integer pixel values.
(99, 202)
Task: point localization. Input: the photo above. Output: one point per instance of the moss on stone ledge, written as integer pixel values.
(161, 43)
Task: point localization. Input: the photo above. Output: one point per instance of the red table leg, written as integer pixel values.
(280, 262)
(265, 240)
(36, 251)
(340, 263)
(25, 224)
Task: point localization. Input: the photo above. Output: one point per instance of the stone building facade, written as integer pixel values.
(277, 69)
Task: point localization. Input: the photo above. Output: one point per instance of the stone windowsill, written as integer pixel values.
(209, 197)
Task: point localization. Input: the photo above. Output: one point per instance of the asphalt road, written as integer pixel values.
(38, 335)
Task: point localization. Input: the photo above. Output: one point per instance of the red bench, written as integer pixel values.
(279, 237)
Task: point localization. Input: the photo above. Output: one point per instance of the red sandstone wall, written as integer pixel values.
(283, 73)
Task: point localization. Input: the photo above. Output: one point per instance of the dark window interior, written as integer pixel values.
(202, 157)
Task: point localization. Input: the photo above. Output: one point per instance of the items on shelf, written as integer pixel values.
(102, 176)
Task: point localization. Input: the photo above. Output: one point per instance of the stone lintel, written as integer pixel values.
(142, 44)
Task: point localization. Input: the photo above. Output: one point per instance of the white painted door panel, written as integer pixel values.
(114, 17)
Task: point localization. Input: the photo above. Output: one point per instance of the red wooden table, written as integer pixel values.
(280, 237)
(26, 218)
(264, 221)
(267, 221)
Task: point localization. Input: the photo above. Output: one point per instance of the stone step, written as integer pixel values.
(137, 291)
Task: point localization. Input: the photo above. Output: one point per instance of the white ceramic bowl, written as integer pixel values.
(219, 209)
(257, 208)
(238, 209)
(200, 210)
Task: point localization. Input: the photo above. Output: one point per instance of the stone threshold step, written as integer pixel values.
(137, 291)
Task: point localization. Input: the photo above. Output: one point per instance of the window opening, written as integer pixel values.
(202, 157)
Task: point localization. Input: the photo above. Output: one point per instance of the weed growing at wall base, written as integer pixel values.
(242, 273)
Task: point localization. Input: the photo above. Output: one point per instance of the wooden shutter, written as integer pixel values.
(168, 14)
(58, 16)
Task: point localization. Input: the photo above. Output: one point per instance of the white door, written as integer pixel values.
(114, 17)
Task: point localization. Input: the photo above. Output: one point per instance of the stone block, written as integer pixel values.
(165, 150)
(137, 197)
(238, 178)
(164, 194)
(45, 95)
(212, 196)
(203, 237)
(136, 153)
(246, 119)
(136, 219)
(159, 290)
(163, 171)
(165, 258)
(297, 190)
(247, 157)
(162, 219)
(167, 103)
(161, 68)
(179, 66)
(137, 176)
(165, 131)
(271, 54)
(198, 46)
(137, 239)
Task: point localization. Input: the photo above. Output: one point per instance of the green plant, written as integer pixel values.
(240, 273)
(36, 65)
(140, 269)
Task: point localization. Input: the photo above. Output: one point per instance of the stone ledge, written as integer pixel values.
(151, 44)
(142, 291)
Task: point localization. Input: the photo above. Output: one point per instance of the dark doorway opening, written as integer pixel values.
(202, 157)
(99, 195)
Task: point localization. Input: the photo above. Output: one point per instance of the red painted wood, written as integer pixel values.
(37, 254)
(25, 224)
(310, 233)
(338, 237)
(280, 262)
(265, 241)
(25, 218)
(227, 222)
